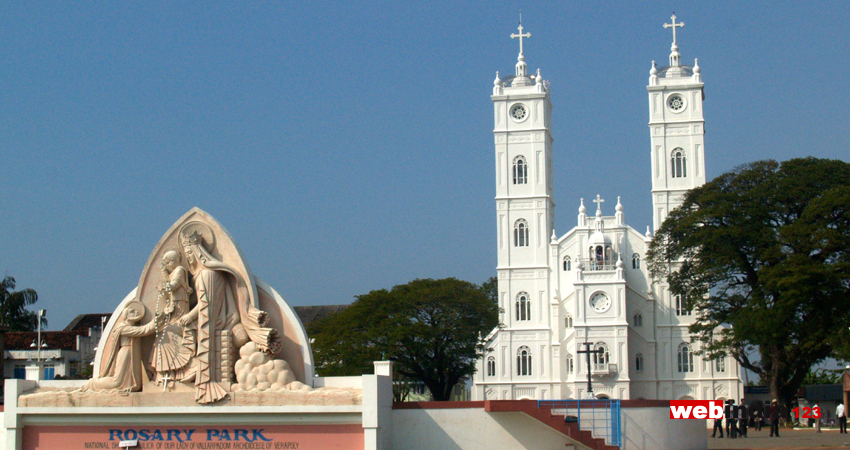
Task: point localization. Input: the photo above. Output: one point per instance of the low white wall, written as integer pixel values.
(338, 382)
(473, 429)
(652, 428)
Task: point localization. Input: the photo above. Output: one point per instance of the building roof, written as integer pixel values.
(85, 321)
(309, 314)
(55, 340)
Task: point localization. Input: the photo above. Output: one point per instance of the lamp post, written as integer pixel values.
(39, 344)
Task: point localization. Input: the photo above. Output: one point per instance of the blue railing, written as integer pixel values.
(600, 417)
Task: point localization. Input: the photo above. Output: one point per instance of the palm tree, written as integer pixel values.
(13, 312)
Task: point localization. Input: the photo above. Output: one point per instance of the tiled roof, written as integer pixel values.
(55, 340)
(85, 321)
(309, 314)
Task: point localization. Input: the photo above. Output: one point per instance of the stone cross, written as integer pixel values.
(165, 381)
(674, 25)
(588, 352)
(598, 201)
(520, 35)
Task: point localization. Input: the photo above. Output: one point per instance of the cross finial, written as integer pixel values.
(520, 35)
(674, 25)
(598, 202)
(165, 381)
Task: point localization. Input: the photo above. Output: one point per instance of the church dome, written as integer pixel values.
(599, 238)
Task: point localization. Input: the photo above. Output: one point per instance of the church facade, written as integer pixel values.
(589, 289)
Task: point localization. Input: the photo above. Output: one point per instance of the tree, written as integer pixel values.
(761, 254)
(430, 329)
(13, 311)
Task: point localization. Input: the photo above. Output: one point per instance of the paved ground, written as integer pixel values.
(789, 439)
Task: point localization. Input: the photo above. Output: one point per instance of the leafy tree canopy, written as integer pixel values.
(763, 255)
(13, 312)
(429, 328)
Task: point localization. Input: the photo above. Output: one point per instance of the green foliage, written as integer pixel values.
(13, 312)
(764, 248)
(823, 376)
(429, 328)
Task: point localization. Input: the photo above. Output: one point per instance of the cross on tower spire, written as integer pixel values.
(520, 35)
(674, 25)
(598, 202)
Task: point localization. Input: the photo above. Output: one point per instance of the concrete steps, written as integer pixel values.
(544, 414)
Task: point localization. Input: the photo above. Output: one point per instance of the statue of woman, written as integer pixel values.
(121, 363)
(174, 345)
(223, 304)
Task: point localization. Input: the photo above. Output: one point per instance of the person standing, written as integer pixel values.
(816, 419)
(742, 419)
(774, 418)
(732, 420)
(718, 426)
(842, 418)
(758, 416)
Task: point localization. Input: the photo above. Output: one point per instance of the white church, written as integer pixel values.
(590, 288)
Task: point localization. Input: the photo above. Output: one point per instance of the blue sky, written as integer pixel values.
(348, 146)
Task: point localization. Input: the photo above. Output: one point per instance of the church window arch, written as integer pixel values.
(685, 359)
(567, 263)
(570, 364)
(523, 361)
(520, 170)
(635, 261)
(720, 364)
(523, 306)
(639, 362)
(600, 359)
(678, 164)
(681, 306)
(521, 233)
(568, 321)
(638, 319)
(491, 366)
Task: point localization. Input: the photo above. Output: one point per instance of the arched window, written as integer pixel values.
(685, 359)
(639, 362)
(568, 321)
(523, 306)
(600, 359)
(523, 361)
(521, 233)
(635, 261)
(491, 367)
(520, 170)
(681, 306)
(638, 320)
(570, 364)
(678, 164)
(720, 365)
(566, 263)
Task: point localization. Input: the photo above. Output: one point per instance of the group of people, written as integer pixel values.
(737, 418)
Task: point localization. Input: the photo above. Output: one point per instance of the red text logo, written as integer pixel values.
(696, 409)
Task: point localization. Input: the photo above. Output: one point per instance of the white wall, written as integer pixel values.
(652, 428)
(472, 428)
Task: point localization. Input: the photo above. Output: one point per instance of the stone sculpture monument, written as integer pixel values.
(200, 326)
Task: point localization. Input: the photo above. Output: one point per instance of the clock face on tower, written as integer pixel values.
(600, 302)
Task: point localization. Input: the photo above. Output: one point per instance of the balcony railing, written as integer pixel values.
(595, 264)
(603, 369)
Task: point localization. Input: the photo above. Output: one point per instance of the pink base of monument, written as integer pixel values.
(301, 437)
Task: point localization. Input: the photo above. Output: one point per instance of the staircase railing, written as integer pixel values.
(600, 417)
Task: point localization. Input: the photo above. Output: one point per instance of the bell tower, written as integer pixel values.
(677, 129)
(524, 205)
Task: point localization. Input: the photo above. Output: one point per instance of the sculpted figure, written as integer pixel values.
(174, 345)
(121, 362)
(223, 304)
